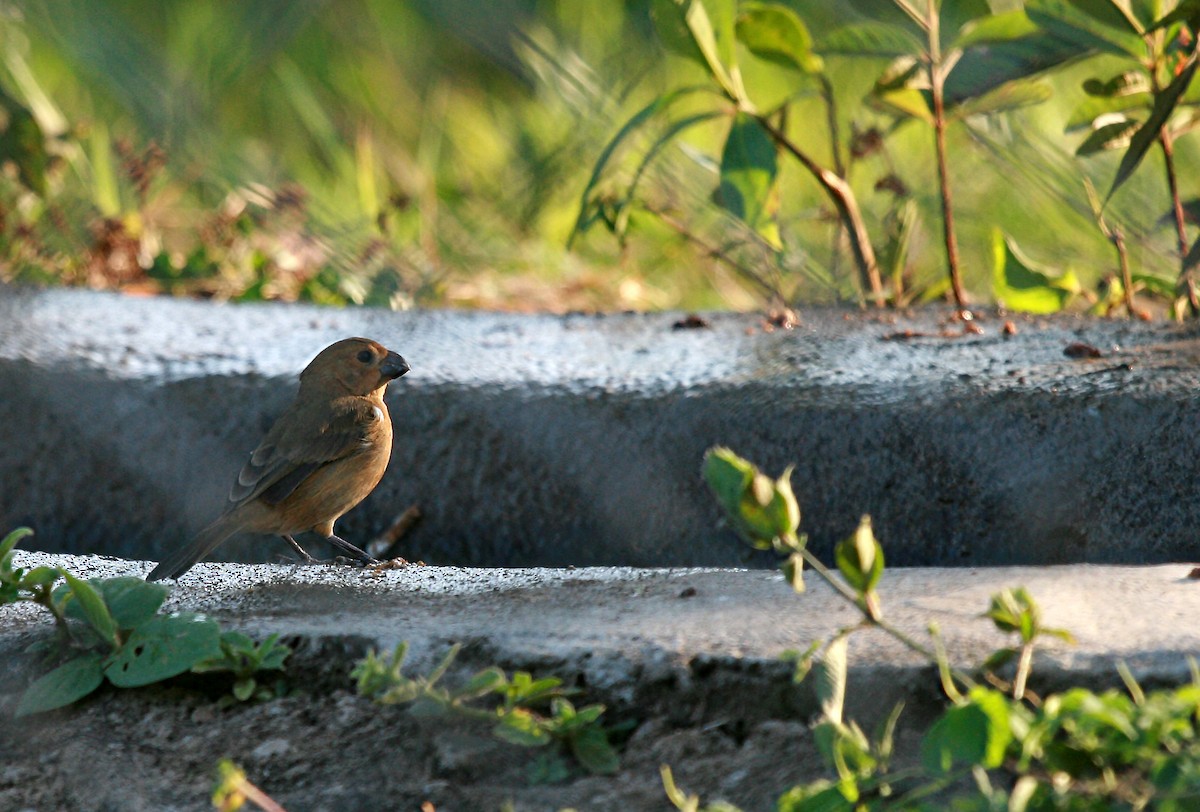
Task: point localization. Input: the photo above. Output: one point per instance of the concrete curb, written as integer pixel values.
(704, 642)
(545, 440)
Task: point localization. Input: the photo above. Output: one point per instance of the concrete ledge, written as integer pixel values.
(627, 631)
(545, 440)
(688, 657)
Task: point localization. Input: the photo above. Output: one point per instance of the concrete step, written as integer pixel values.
(577, 440)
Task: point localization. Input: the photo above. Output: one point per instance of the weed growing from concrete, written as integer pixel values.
(111, 629)
(998, 746)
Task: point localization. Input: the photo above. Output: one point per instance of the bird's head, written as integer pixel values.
(356, 366)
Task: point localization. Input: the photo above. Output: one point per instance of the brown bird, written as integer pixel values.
(321, 458)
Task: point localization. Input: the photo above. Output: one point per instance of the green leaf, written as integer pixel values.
(23, 143)
(39, 577)
(162, 647)
(593, 751)
(1021, 285)
(774, 32)
(243, 689)
(870, 39)
(860, 558)
(1116, 134)
(523, 727)
(986, 66)
(131, 601)
(92, 608)
(749, 170)
(13, 539)
(1085, 25)
(705, 36)
(1147, 135)
(1010, 96)
(954, 16)
(69, 682)
(974, 734)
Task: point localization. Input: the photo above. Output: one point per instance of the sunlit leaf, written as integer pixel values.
(1116, 134)
(976, 733)
(774, 32)
(749, 170)
(1021, 285)
(870, 39)
(1090, 25)
(1148, 133)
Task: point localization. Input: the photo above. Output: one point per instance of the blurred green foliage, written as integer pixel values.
(425, 152)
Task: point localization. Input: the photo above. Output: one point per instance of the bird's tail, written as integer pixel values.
(180, 561)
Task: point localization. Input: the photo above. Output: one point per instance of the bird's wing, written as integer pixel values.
(300, 442)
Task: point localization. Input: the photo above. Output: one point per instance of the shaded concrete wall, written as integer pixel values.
(577, 440)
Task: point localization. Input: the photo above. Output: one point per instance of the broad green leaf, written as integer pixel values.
(91, 607)
(1067, 21)
(592, 749)
(986, 66)
(162, 647)
(710, 26)
(39, 576)
(1116, 134)
(1188, 11)
(1010, 96)
(774, 32)
(484, 682)
(1021, 285)
(1003, 27)
(1147, 134)
(131, 601)
(69, 682)
(749, 170)
(974, 734)
(954, 16)
(13, 539)
(870, 39)
(1114, 13)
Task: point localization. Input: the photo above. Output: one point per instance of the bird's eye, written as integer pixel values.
(366, 356)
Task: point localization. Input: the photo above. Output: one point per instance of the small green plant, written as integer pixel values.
(530, 712)
(111, 629)
(245, 660)
(998, 747)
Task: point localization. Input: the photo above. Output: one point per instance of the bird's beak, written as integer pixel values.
(392, 366)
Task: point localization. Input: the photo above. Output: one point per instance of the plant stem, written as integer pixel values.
(851, 596)
(1186, 283)
(937, 86)
(842, 195)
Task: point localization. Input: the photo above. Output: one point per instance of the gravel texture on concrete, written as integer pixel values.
(700, 637)
(577, 440)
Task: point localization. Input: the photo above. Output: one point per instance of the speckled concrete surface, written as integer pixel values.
(546, 440)
(633, 630)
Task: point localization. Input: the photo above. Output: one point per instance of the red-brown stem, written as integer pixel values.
(842, 195)
(938, 92)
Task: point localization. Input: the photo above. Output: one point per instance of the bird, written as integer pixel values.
(321, 457)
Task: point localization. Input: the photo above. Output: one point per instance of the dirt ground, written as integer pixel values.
(324, 748)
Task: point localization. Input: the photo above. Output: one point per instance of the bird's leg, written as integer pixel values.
(308, 559)
(350, 550)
